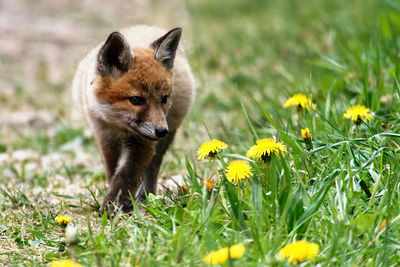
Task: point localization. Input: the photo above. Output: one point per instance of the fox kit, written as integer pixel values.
(135, 90)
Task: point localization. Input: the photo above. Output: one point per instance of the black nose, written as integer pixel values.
(161, 132)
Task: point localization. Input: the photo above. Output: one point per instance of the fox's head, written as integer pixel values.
(136, 83)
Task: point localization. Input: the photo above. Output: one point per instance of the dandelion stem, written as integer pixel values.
(239, 194)
(298, 122)
(267, 175)
(309, 169)
(215, 165)
(220, 193)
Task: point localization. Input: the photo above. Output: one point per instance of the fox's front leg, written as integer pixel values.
(134, 158)
(150, 178)
(110, 151)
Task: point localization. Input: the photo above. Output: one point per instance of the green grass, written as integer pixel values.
(248, 58)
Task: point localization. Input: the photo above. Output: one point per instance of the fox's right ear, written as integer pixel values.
(115, 56)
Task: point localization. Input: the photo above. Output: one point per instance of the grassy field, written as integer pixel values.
(248, 58)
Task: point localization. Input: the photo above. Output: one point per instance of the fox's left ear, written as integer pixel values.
(165, 48)
(115, 56)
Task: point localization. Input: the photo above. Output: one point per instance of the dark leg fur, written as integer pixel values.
(150, 178)
(110, 153)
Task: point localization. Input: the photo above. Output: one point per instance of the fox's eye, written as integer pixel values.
(137, 100)
(164, 99)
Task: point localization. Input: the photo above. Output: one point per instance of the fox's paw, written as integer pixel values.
(113, 207)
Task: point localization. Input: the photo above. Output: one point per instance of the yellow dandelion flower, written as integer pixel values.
(300, 101)
(65, 263)
(238, 170)
(263, 148)
(299, 251)
(62, 219)
(237, 251)
(219, 256)
(358, 113)
(209, 184)
(222, 255)
(210, 149)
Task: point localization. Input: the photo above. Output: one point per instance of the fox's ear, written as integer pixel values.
(165, 47)
(115, 56)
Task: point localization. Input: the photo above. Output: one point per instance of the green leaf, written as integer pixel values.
(235, 205)
(248, 120)
(192, 175)
(104, 219)
(318, 198)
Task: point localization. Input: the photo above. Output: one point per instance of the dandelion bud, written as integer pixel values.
(183, 190)
(383, 225)
(307, 138)
(209, 184)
